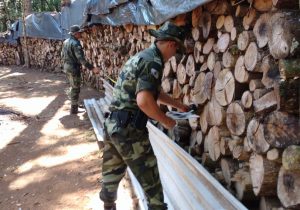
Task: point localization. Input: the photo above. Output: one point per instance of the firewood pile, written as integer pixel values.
(242, 70)
(10, 54)
(44, 54)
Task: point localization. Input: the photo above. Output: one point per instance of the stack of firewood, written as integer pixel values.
(243, 71)
(10, 54)
(44, 54)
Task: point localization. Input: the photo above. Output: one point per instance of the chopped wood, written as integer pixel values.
(263, 175)
(190, 66)
(263, 5)
(288, 188)
(220, 22)
(255, 84)
(215, 113)
(291, 158)
(208, 46)
(223, 42)
(213, 138)
(274, 154)
(228, 23)
(266, 103)
(247, 100)
(206, 24)
(196, 15)
(217, 7)
(281, 129)
(199, 95)
(229, 59)
(197, 51)
(229, 167)
(262, 30)
(256, 136)
(196, 33)
(225, 87)
(249, 19)
(244, 39)
(235, 119)
(243, 185)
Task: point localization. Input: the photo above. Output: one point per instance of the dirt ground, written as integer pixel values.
(48, 158)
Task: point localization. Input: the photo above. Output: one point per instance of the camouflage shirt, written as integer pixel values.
(141, 72)
(73, 56)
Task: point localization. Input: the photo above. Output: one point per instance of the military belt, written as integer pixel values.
(137, 119)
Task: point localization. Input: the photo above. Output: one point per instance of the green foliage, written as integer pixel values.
(12, 9)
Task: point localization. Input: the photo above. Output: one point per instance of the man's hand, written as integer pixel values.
(96, 70)
(181, 131)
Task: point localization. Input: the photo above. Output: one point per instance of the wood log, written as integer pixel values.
(208, 46)
(224, 147)
(241, 10)
(213, 141)
(263, 175)
(175, 61)
(256, 136)
(240, 72)
(211, 60)
(263, 5)
(206, 24)
(244, 39)
(177, 92)
(269, 203)
(233, 34)
(229, 167)
(288, 188)
(236, 119)
(243, 185)
(182, 76)
(225, 87)
(197, 51)
(258, 93)
(262, 30)
(228, 23)
(253, 58)
(249, 19)
(167, 85)
(203, 120)
(274, 155)
(196, 33)
(270, 72)
(229, 59)
(239, 153)
(291, 158)
(220, 22)
(246, 145)
(217, 69)
(266, 103)
(281, 129)
(168, 72)
(196, 15)
(223, 42)
(208, 163)
(255, 84)
(246, 100)
(217, 7)
(215, 113)
(284, 34)
(199, 96)
(190, 66)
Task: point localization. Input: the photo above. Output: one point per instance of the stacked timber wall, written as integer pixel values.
(242, 70)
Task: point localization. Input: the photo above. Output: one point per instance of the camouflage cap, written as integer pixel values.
(169, 31)
(74, 29)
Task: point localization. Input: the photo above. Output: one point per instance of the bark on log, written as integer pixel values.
(263, 175)
(281, 129)
(288, 189)
(291, 158)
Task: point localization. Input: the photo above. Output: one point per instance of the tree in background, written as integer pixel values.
(11, 10)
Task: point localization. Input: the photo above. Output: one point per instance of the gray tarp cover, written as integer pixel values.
(111, 12)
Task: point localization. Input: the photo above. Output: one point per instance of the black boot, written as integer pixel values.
(74, 109)
(109, 206)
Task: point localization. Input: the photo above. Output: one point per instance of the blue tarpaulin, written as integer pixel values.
(109, 12)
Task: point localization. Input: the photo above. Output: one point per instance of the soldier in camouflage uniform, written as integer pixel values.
(73, 57)
(135, 99)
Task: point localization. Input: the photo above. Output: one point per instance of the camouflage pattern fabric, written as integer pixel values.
(130, 146)
(75, 83)
(72, 57)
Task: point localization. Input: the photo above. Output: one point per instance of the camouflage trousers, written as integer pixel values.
(130, 147)
(75, 82)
